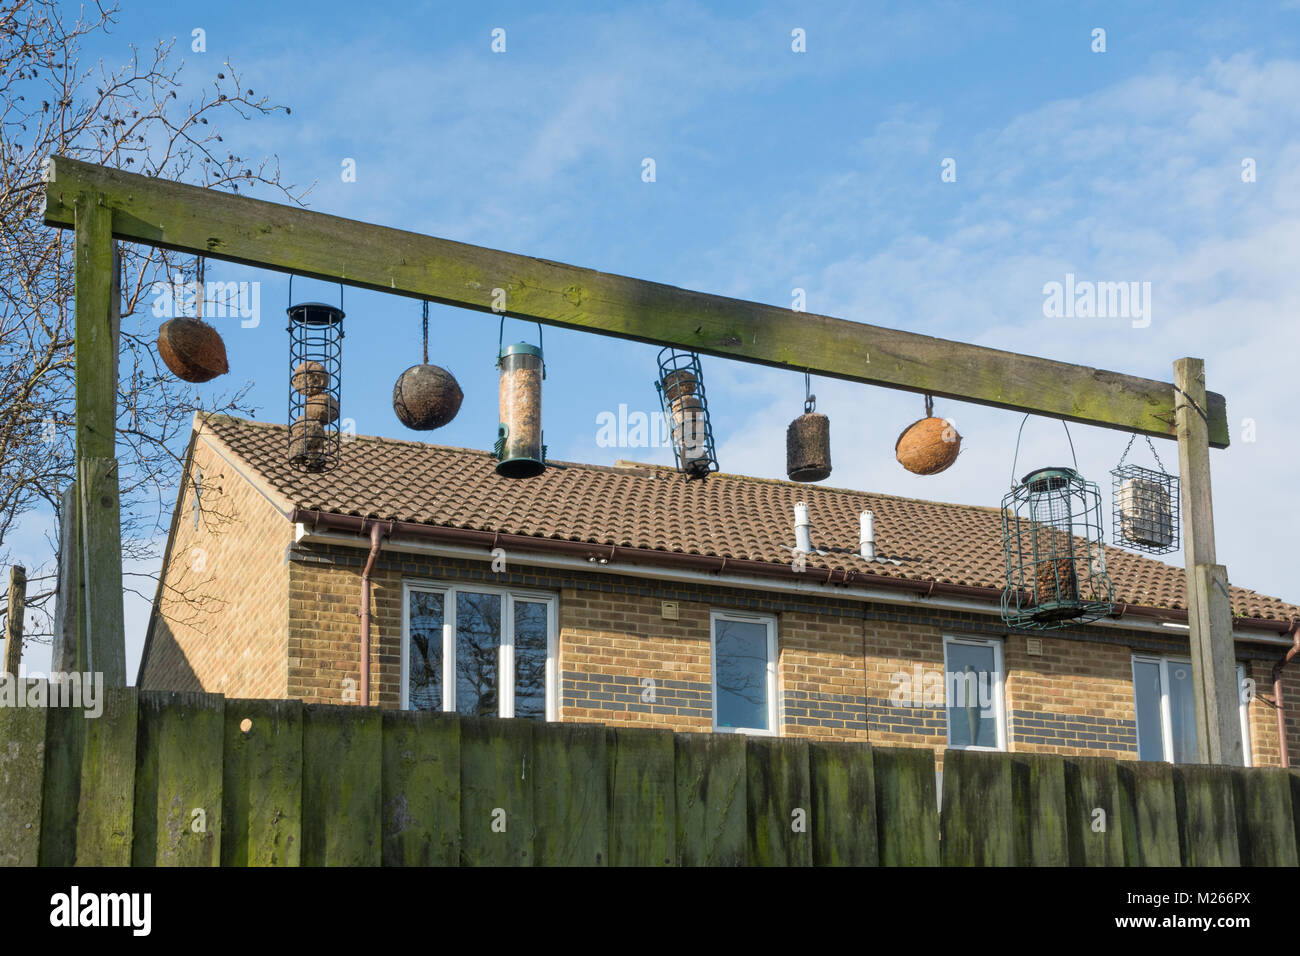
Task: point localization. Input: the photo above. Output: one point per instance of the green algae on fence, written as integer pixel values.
(778, 802)
(1038, 808)
(1207, 812)
(842, 798)
(261, 799)
(570, 798)
(61, 790)
(1094, 812)
(421, 788)
(342, 762)
(710, 770)
(1265, 816)
(642, 788)
(978, 822)
(907, 814)
(22, 757)
(496, 792)
(106, 807)
(1151, 814)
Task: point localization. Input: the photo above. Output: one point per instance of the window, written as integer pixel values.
(972, 684)
(458, 641)
(1165, 701)
(743, 652)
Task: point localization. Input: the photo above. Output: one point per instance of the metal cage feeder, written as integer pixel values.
(1145, 506)
(519, 450)
(315, 383)
(685, 407)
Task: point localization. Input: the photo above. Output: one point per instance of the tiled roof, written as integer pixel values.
(656, 508)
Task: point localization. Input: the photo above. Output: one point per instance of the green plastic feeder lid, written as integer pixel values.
(1051, 479)
(521, 348)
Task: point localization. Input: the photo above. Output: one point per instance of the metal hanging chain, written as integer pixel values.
(1016, 457)
(929, 405)
(201, 295)
(426, 331)
(1150, 444)
(809, 399)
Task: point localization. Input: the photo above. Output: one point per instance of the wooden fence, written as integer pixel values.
(198, 780)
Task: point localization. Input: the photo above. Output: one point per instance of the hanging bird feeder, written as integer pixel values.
(191, 348)
(685, 406)
(519, 449)
(1053, 544)
(808, 441)
(928, 446)
(315, 380)
(1145, 505)
(426, 396)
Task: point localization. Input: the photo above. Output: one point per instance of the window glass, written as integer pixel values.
(424, 667)
(478, 643)
(1182, 711)
(740, 664)
(1146, 694)
(971, 687)
(530, 659)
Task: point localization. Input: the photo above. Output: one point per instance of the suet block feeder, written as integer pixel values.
(315, 380)
(685, 406)
(808, 441)
(1145, 506)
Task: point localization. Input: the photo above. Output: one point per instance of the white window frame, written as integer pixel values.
(999, 690)
(506, 650)
(1166, 715)
(774, 727)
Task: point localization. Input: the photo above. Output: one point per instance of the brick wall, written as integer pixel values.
(838, 660)
(222, 616)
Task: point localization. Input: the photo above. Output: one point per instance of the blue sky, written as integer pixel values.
(818, 170)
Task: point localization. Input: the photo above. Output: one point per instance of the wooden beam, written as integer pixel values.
(14, 619)
(236, 228)
(1209, 610)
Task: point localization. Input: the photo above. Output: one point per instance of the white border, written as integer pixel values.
(769, 621)
(999, 690)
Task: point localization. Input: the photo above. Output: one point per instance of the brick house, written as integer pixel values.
(629, 595)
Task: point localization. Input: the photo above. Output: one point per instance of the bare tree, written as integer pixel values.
(132, 117)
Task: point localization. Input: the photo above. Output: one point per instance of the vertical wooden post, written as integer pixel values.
(63, 655)
(1209, 611)
(101, 638)
(14, 623)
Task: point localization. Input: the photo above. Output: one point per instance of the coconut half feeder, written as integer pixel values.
(808, 441)
(192, 349)
(929, 445)
(426, 396)
(315, 382)
(685, 406)
(519, 450)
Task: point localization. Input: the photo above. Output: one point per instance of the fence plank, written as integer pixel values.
(710, 770)
(342, 766)
(1151, 821)
(261, 784)
(907, 815)
(642, 797)
(105, 809)
(1265, 816)
(977, 823)
(178, 779)
(496, 792)
(1207, 815)
(1039, 810)
(570, 795)
(842, 794)
(22, 777)
(1092, 785)
(421, 788)
(64, 741)
(778, 802)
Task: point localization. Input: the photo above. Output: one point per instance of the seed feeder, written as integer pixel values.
(426, 396)
(808, 441)
(315, 380)
(519, 450)
(1053, 544)
(1145, 505)
(685, 406)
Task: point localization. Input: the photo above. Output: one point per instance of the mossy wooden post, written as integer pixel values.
(101, 631)
(1151, 813)
(64, 742)
(1265, 816)
(1207, 816)
(778, 801)
(711, 824)
(978, 819)
(178, 779)
(1039, 810)
(22, 780)
(63, 653)
(842, 793)
(1094, 812)
(570, 795)
(342, 767)
(496, 792)
(14, 612)
(642, 797)
(106, 809)
(421, 788)
(261, 784)
(907, 811)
